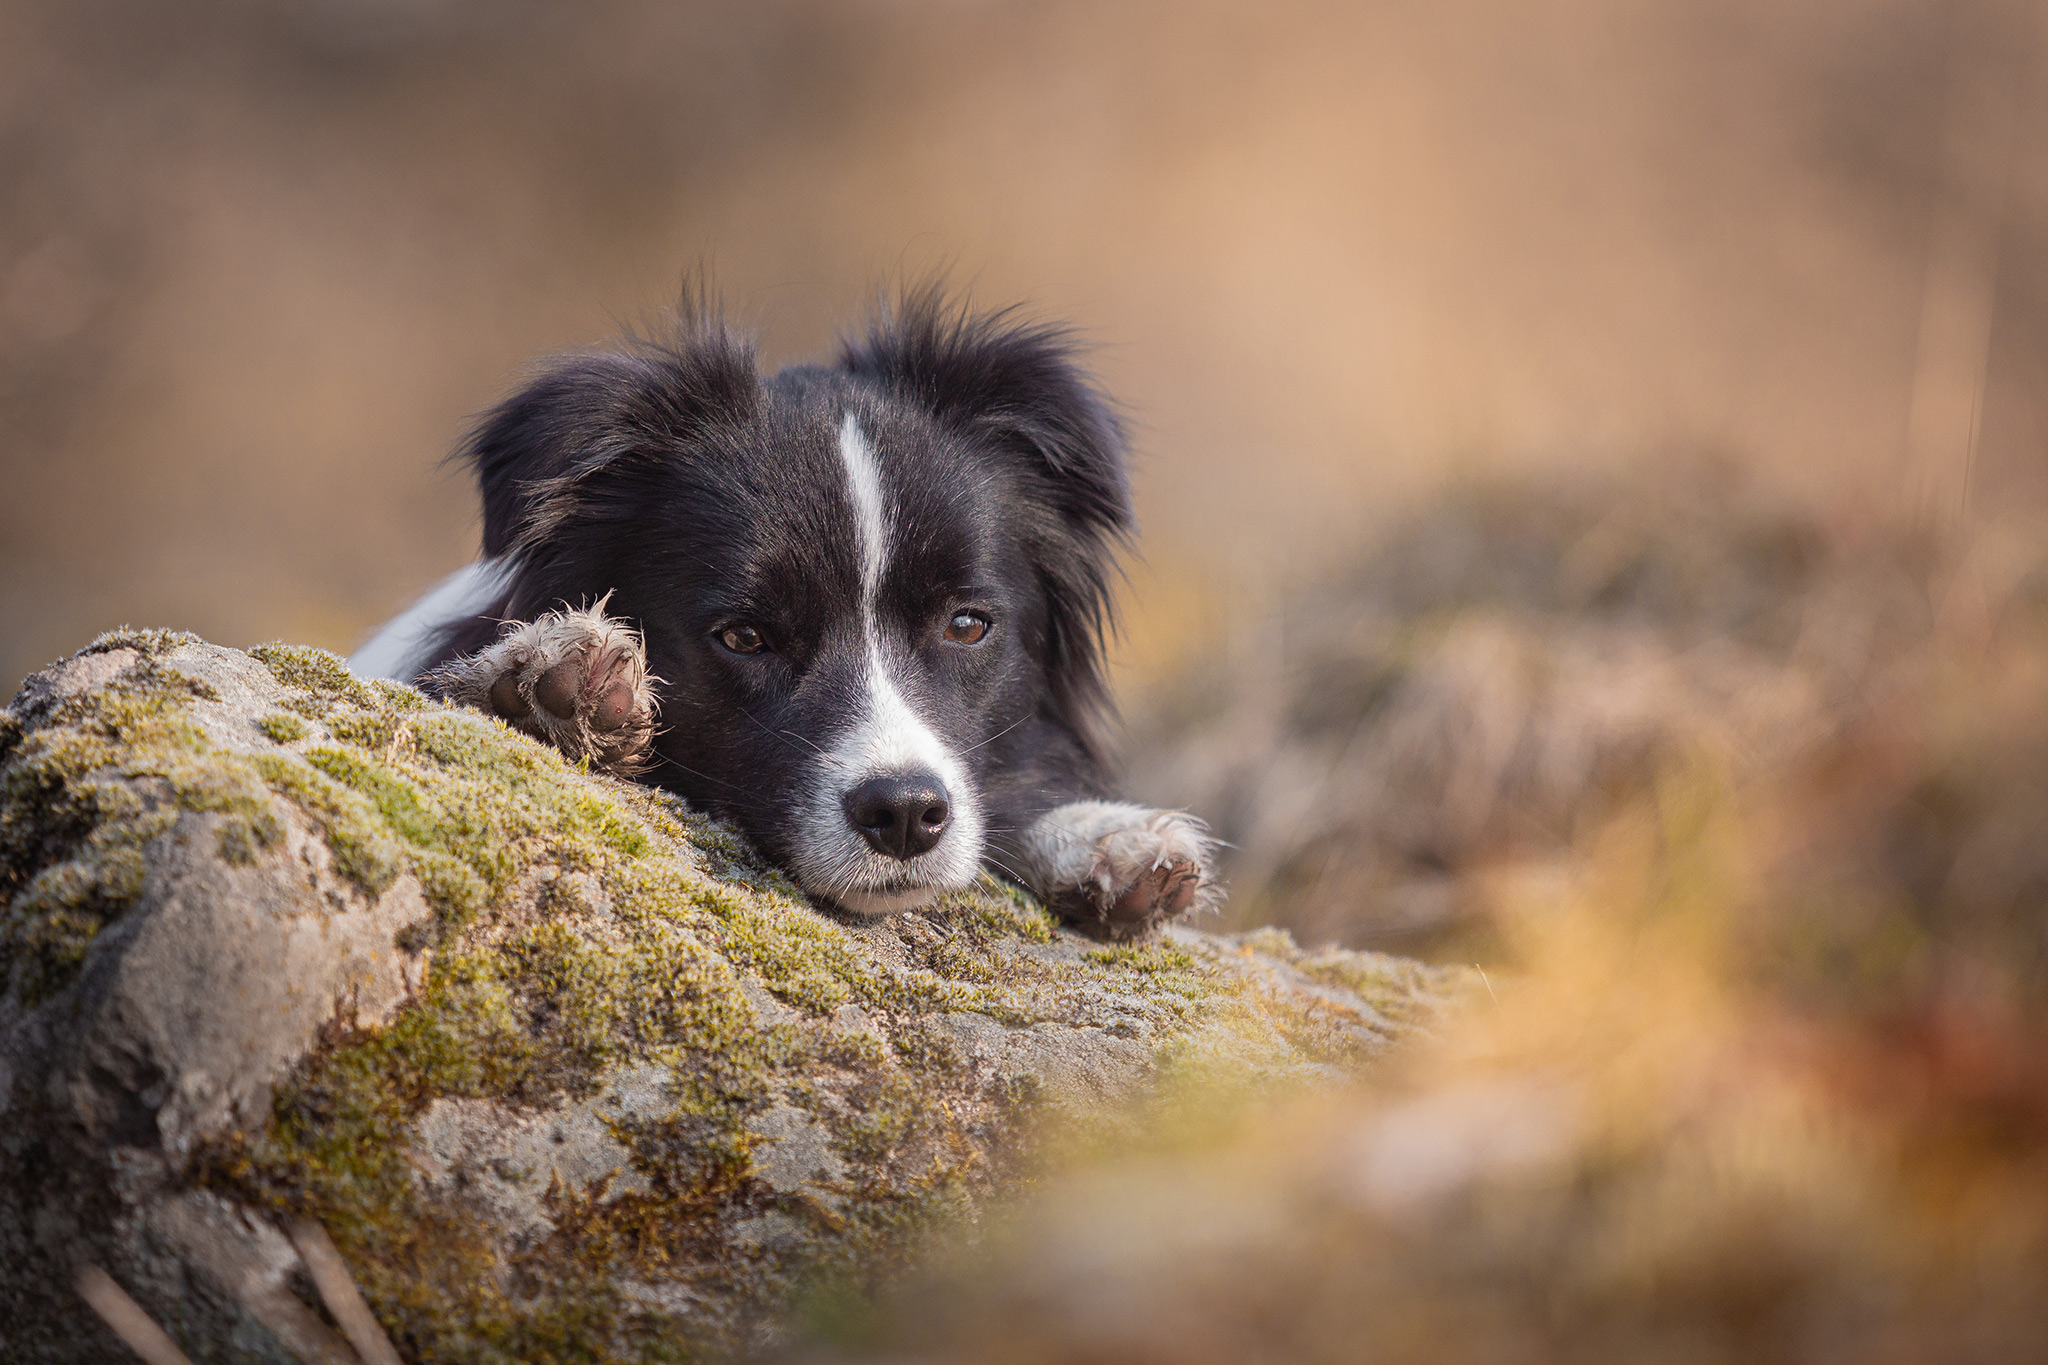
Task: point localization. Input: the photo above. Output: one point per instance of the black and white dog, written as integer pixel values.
(858, 608)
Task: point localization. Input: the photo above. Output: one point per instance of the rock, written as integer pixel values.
(560, 1065)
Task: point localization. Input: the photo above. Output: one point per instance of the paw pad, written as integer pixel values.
(1154, 897)
(576, 679)
(1117, 872)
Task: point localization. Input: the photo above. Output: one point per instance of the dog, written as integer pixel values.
(858, 609)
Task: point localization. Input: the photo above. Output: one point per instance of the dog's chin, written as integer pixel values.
(863, 883)
(889, 901)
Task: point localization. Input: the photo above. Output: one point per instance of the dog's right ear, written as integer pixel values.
(538, 454)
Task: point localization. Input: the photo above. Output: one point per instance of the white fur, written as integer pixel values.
(833, 860)
(399, 647)
(1110, 844)
(871, 516)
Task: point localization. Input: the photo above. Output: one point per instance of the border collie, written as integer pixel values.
(857, 608)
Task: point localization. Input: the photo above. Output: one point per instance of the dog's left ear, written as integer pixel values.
(1018, 386)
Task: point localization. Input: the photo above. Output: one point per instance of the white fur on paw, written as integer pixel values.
(576, 679)
(1119, 870)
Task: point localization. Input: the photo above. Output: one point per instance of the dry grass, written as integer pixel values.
(1518, 662)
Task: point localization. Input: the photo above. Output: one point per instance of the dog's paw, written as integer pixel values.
(577, 679)
(1117, 871)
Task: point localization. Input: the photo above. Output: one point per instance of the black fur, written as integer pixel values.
(669, 474)
(1014, 386)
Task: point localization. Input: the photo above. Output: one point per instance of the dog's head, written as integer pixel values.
(869, 589)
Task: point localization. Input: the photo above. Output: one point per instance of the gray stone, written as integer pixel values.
(558, 1063)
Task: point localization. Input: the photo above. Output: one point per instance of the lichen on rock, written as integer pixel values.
(564, 1068)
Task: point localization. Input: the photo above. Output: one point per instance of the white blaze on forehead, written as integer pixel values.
(871, 520)
(888, 738)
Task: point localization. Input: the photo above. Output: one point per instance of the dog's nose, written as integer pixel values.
(901, 815)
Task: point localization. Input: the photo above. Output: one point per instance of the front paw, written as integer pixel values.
(1118, 871)
(576, 679)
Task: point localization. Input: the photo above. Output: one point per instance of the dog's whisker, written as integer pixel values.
(753, 800)
(777, 737)
(996, 736)
(804, 740)
(1012, 873)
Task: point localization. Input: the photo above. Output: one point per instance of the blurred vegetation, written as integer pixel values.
(1510, 665)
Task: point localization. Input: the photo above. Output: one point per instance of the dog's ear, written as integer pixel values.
(535, 455)
(1017, 386)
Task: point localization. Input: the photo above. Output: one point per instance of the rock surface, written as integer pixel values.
(563, 1069)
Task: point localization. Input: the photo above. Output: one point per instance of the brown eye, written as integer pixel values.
(967, 628)
(741, 639)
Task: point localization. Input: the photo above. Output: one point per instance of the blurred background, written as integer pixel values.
(1593, 462)
(1524, 392)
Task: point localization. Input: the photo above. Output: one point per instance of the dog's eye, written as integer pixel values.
(742, 639)
(967, 628)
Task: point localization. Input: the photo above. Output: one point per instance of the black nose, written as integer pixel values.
(901, 815)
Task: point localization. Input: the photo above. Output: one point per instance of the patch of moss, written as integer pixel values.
(315, 671)
(586, 927)
(363, 850)
(148, 642)
(84, 787)
(1400, 989)
(284, 727)
(405, 786)
(308, 705)
(398, 696)
(921, 1048)
(1144, 957)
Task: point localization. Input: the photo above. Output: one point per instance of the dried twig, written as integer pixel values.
(297, 1328)
(125, 1316)
(338, 1291)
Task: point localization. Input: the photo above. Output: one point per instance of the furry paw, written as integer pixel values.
(1117, 871)
(577, 679)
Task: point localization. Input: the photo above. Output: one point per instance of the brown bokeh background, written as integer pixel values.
(259, 259)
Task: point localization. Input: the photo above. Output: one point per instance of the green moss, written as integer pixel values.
(284, 727)
(1144, 957)
(84, 787)
(315, 671)
(363, 849)
(450, 884)
(587, 926)
(923, 1048)
(367, 729)
(397, 696)
(1401, 990)
(149, 643)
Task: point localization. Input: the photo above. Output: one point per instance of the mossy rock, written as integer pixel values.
(564, 1069)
